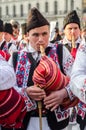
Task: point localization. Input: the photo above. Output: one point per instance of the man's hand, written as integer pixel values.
(35, 93)
(54, 99)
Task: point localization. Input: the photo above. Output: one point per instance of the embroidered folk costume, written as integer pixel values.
(26, 61)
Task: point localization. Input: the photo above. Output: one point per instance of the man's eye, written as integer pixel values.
(44, 34)
(36, 35)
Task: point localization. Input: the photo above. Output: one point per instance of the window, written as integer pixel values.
(0, 12)
(72, 4)
(55, 7)
(14, 10)
(7, 11)
(66, 6)
(29, 6)
(46, 7)
(37, 5)
(21, 10)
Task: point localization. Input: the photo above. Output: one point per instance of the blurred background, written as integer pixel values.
(53, 10)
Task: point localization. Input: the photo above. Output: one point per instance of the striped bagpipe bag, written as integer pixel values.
(49, 77)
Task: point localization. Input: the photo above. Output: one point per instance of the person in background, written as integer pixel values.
(78, 83)
(53, 115)
(8, 34)
(1, 34)
(24, 41)
(72, 40)
(72, 32)
(57, 36)
(3, 45)
(16, 32)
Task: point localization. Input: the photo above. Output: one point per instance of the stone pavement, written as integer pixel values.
(73, 127)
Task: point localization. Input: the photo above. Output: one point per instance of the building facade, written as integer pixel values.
(53, 10)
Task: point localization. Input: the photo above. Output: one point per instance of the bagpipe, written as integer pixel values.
(49, 77)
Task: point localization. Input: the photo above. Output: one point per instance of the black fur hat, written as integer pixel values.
(8, 28)
(1, 25)
(72, 17)
(35, 19)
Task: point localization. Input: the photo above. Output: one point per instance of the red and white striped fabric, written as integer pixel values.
(49, 77)
(12, 105)
(12, 109)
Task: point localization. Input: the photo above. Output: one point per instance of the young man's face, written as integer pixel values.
(72, 29)
(39, 36)
(7, 36)
(15, 32)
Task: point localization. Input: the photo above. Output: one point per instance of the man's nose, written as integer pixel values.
(72, 31)
(40, 38)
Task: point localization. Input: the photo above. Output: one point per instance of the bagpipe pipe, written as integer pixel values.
(74, 49)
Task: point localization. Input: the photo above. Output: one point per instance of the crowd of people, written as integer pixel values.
(42, 80)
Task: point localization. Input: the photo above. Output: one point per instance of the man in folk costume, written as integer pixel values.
(16, 32)
(54, 115)
(3, 45)
(71, 26)
(78, 83)
(72, 40)
(8, 32)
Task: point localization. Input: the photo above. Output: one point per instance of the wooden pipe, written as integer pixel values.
(42, 50)
(73, 41)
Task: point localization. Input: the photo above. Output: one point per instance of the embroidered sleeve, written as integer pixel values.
(70, 94)
(68, 61)
(30, 104)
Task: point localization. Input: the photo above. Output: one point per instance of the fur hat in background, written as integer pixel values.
(1, 25)
(72, 17)
(8, 28)
(35, 19)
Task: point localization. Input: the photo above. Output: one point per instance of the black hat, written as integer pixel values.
(8, 28)
(35, 19)
(1, 25)
(72, 17)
